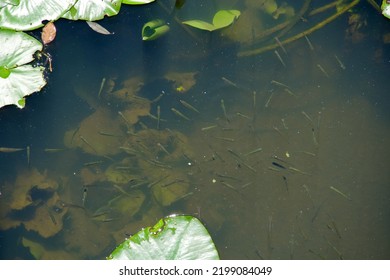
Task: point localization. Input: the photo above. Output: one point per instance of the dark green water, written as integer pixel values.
(318, 188)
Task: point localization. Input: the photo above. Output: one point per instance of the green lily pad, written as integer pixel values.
(172, 238)
(17, 79)
(221, 19)
(154, 29)
(9, 2)
(385, 9)
(137, 2)
(29, 14)
(93, 10)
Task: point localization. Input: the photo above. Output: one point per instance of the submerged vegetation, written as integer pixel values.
(229, 151)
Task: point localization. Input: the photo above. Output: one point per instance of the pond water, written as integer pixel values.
(282, 154)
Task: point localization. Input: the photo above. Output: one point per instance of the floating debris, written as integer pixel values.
(98, 28)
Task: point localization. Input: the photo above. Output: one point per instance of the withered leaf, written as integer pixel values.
(48, 33)
(98, 28)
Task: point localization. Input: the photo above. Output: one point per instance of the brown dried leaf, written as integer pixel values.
(48, 33)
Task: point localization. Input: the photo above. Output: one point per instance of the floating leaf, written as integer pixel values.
(98, 28)
(137, 2)
(385, 8)
(221, 19)
(93, 10)
(18, 80)
(48, 33)
(154, 29)
(4, 72)
(172, 238)
(200, 24)
(224, 18)
(29, 14)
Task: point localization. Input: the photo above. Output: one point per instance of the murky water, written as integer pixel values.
(281, 158)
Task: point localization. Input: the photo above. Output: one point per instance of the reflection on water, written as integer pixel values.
(282, 155)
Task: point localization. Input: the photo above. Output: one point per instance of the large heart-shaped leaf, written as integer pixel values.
(172, 238)
(29, 14)
(93, 10)
(16, 79)
(221, 19)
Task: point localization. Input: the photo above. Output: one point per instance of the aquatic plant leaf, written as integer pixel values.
(200, 24)
(172, 238)
(154, 29)
(221, 19)
(225, 18)
(385, 9)
(17, 79)
(9, 2)
(93, 10)
(29, 14)
(137, 2)
(4, 72)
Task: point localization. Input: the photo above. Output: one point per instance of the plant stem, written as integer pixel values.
(300, 35)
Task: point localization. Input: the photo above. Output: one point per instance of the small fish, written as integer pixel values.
(224, 138)
(323, 70)
(340, 193)
(342, 66)
(158, 116)
(228, 185)
(228, 177)
(307, 117)
(50, 214)
(106, 134)
(224, 110)
(279, 84)
(124, 118)
(280, 58)
(269, 100)
(246, 185)
(280, 44)
(243, 116)
(84, 198)
(53, 150)
(253, 151)
(28, 154)
(86, 142)
(240, 159)
(309, 43)
(101, 87)
(229, 82)
(163, 149)
(10, 150)
(254, 99)
(290, 92)
(298, 170)
(98, 28)
(178, 113)
(284, 124)
(120, 189)
(158, 163)
(74, 134)
(158, 97)
(189, 106)
(208, 127)
(93, 163)
(278, 165)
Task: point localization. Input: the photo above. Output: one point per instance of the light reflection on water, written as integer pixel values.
(275, 203)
